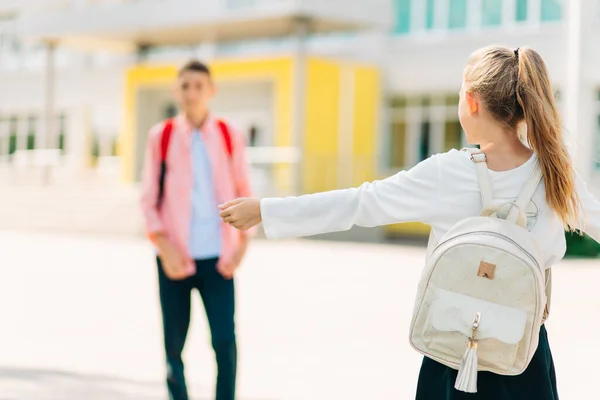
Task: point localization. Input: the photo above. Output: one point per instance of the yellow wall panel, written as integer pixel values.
(321, 125)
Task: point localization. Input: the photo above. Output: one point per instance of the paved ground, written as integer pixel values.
(317, 320)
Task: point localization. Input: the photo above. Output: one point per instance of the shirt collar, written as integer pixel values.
(182, 122)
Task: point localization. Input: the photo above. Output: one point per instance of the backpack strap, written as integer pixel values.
(226, 136)
(480, 160)
(485, 186)
(548, 276)
(165, 139)
(522, 202)
(530, 186)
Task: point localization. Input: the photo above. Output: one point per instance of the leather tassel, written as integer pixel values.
(466, 380)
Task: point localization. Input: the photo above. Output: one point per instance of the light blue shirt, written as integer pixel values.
(205, 225)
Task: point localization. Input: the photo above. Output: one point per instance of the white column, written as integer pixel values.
(346, 128)
(534, 11)
(77, 138)
(39, 131)
(474, 11)
(440, 14)
(302, 27)
(509, 13)
(417, 16)
(579, 94)
(48, 117)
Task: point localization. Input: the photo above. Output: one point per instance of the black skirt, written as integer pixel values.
(538, 382)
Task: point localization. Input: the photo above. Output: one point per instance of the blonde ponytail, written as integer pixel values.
(544, 134)
(514, 86)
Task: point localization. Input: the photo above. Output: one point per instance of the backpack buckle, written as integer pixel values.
(478, 158)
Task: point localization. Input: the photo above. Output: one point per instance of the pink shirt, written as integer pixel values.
(230, 176)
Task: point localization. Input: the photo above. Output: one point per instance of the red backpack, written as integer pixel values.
(165, 138)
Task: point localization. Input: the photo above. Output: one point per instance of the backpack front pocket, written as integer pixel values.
(449, 326)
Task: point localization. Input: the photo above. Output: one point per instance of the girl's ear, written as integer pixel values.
(472, 103)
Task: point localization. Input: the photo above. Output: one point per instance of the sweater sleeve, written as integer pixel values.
(408, 196)
(589, 218)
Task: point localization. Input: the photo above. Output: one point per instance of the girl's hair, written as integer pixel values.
(514, 86)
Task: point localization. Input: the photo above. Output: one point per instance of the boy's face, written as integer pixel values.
(194, 91)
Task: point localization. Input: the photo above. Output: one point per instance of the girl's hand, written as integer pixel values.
(242, 213)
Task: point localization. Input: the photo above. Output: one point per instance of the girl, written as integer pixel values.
(501, 89)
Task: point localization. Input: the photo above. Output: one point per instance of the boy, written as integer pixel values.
(193, 163)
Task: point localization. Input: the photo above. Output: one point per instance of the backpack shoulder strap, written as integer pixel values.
(522, 202)
(165, 138)
(226, 136)
(530, 186)
(527, 192)
(485, 186)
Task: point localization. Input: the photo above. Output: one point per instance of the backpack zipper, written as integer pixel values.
(496, 235)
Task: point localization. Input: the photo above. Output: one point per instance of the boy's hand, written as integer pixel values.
(227, 268)
(174, 263)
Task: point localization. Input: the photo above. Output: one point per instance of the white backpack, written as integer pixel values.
(484, 295)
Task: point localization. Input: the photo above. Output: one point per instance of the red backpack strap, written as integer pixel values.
(226, 136)
(165, 138)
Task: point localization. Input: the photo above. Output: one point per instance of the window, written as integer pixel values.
(457, 14)
(253, 135)
(429, 15)
(551, 10)
(491, 12)
(452, 100)
(399, 128)
(31, 121)
(453, 137)
(597, 153)
(412, 128)
(398, 145)
(521, 10)
(425, 140)
(12, 140)
(169, 110)
(3, 139)
(402, 17)
(62, 127)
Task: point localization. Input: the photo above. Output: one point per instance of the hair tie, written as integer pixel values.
(517, 52)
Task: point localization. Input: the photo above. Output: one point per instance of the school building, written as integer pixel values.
(331, 93)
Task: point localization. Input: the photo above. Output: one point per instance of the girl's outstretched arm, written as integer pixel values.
(408, 196)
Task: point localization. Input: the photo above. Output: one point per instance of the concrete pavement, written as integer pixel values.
(79, 319)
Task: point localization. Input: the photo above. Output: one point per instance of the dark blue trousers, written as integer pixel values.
(217, 294)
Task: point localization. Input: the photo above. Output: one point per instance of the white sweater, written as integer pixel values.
(439, 191)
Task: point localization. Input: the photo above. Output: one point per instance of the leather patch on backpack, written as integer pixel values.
(486, 270)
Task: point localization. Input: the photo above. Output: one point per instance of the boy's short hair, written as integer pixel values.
(194, 66)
